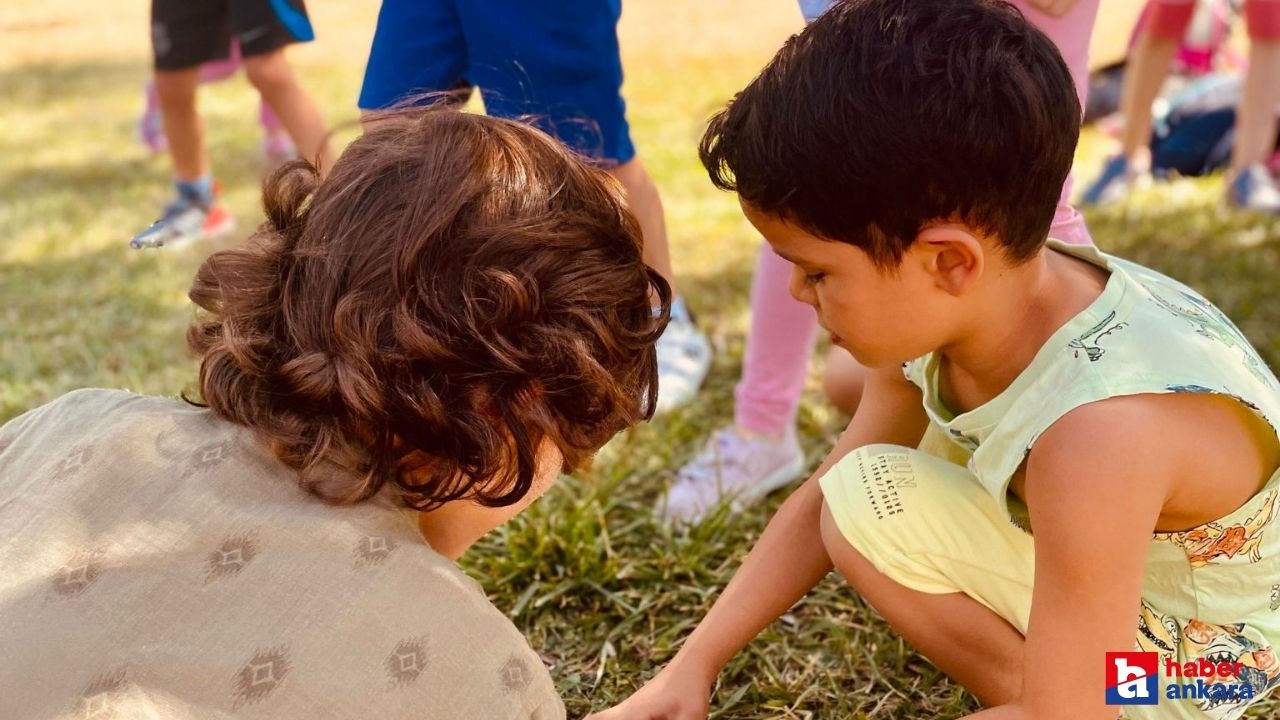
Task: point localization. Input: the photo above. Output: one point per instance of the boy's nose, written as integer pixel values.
(800, 290)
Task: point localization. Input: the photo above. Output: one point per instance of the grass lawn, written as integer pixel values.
(602, 591)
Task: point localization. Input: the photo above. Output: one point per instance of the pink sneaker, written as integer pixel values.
(733, 468)
(277, 149)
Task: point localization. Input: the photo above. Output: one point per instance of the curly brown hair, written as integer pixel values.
(459, 289)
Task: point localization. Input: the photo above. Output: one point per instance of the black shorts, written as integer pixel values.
(186, 33)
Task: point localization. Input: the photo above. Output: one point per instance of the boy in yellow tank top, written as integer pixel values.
(1089, 526)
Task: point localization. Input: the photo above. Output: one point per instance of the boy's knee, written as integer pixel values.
(832, 539)
(177, 87)
(889, 500)
(847, 559)
(268, 72)
(862, 508)
(633, 175)
(903, 514)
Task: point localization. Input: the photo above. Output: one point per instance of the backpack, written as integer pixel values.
(1193, 135)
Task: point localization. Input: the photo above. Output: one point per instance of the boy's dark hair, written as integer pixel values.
(459, 289)
(885, 115)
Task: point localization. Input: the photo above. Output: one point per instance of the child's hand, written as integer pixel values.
(670, 695)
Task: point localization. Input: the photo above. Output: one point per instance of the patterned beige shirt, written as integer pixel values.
(156, 562)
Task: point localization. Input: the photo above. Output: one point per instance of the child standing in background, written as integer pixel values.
(276, 144)
(185, 34)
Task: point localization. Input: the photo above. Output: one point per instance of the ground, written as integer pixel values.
(601, 590)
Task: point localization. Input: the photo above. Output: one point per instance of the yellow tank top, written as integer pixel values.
(1209, 592)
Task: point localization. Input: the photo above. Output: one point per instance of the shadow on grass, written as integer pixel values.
(82, 149)
(44, 84)
(106, 318)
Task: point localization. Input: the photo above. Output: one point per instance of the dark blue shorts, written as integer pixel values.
(553, 60)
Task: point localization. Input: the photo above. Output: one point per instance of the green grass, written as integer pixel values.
(603, 592)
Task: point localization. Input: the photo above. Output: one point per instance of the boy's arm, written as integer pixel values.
(785, 563)
(1095, 483)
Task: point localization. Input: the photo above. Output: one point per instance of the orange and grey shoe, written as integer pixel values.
(186, 219)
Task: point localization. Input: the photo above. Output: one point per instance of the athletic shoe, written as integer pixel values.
(684, 357)
(734, 468)
(1113, 185)
(1254, 189)
(186, 219)
(277, 149)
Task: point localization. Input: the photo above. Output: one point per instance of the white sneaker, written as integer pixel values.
(1254, 189)
(731, 467)
(684, 357)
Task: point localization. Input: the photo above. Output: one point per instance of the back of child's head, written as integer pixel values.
(459, 290)
(885, 115)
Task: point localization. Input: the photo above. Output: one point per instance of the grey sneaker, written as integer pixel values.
(1113, 185)
(185, 219)
(733, 468)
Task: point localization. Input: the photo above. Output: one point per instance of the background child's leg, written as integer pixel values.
(185, 35)
(265, 29)
(218, 70)
(1150, 62)
(268, 119)
(646, 203)
(272, 129)
(151, 124)
(779, 345)
(760, 452)
(1071, 33)
(183, 126)
(1068, 224)
(277, 146)
(274, 79)
(1256, 120)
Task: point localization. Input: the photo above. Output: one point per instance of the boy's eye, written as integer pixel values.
(814, 278)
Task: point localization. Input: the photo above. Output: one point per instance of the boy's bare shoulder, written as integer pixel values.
(1168, 423)
(1204, 453)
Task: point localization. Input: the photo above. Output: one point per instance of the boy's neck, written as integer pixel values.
(1018, 312)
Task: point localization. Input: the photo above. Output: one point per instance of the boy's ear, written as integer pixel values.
(952, 256)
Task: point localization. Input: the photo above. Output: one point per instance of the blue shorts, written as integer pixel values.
(555, 61)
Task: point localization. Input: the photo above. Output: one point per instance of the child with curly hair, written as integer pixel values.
(404, 356)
